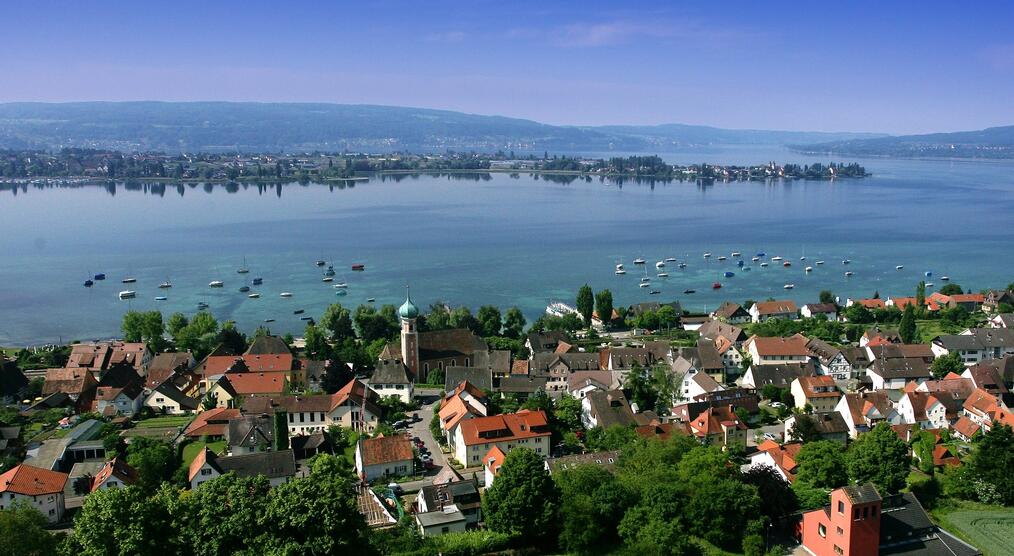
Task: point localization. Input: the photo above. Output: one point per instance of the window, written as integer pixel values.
(838, 550)
(841, 531)
(52, 512)
(292, 416)
(205, 472)
(445, 529)
(302, 417)
(841, 507)
(821, 530)
(866, 512)
(855, 514)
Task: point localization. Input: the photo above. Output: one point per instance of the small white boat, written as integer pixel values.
(639, 260)
(929, 284)
(216, 284)
(341, 286)
(845, 261)
(849, 274)
(820, 262)
(285, 294)
(327, 279)
(670, 259)
(755, 259)
(161, 298)
(129, 280)
(736, 253)
(776, 258)
(619, 266)
(808, 269)
(683, 265)
(722, 258)
(254, 295)
(646, 279)
(645, 285)
(945, 278)
(663, 274)
(802, 258)
(165, 285)
(243, 269)
(789, 286)
(620, 271)
(899, 267)
(707, 255)
(660, 264)
(764, 264)
(128, 294)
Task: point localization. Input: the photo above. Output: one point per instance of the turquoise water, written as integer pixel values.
(497, 240)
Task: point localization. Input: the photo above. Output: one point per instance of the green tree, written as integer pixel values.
(775, 491)
(523, 500)
(315, 515)
(514, 323)
(920, 294)
(153, 460)
(993, 460)
(950, 363)
(881, 457)
(951, 289)
(804, 429)
(639, 388)
(615, 437)
(124, 522)
(826, 296)
(435, 376)
(489, 320)
(144, 327)
(822, 464)
(907, 328)
(316, 342)
(439, 318)
(281, 430)
(219, 518)
(23, 532)
(462, 317)
(586, 303)
(593, 503)
(859, 314)
(337, 321)
(604, 306)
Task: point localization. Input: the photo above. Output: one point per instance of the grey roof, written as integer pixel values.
(714, 328)
(390, 371)
(906, 529)
(1004, 367)
(311, 441)
(816, 308)
(831, 422)
(577, 361)
(480, 378)
(272, 465)
(431, 519)
(862, 494)
(454, 492)
(822, 350)
(250, 431)
(978, 339)
(522, 384)
(610, 408)
(170, 391)
(496, 360)
(856, 356)
(546, 341)
(440, 344)
(169, 362)
(268, 345)
(781, 374)
(1007, 319)
(901, 367)
(708, 356)
(627, 357)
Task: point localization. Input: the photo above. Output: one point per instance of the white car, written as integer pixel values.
(777, 405)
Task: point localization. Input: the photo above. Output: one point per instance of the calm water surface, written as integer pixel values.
(496, 240)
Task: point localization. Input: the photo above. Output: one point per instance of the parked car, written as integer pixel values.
(400, 425)
(416, 418)
(777, 405)
(770, 436)
(395, 488)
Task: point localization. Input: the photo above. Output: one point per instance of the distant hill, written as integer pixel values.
(993, 142)
(247, 126)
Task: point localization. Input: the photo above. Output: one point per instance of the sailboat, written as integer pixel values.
(243, 269)
(165, 285)
(216, 284)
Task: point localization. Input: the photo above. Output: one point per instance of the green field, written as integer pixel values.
(990, 529)
(190, 450)
(165, 421)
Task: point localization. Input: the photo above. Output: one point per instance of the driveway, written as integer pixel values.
(421, 428)
(776, 429)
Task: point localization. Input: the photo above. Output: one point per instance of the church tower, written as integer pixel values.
(408, 313)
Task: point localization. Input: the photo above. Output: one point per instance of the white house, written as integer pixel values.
(278, 467)
(127, 400)
(390, 378)
(976, 344)
(811, 310)
(114, 474)
(491, 464)
(773, 351)
(384, 456)
(167, 398)
(863, 411)
(764, 310)
(41, 489)
(819, 392)
(696, 383)
(929, 410)
(526, 428)
(352, 407)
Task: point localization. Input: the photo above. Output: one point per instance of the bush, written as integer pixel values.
(471, 543)
(753, 545)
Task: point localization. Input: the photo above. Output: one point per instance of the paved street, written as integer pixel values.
(427, 399)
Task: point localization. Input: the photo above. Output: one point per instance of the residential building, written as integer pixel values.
(491, 464)
(717, 426)
(714, 329)
(558, 367)
(212, 423)
(819, 392)
(37, 488)
(976, 344)
(732, 313)
(278, 467)
(780, 457)
(384, 456)
(462, 494)
(583, 382)
(863, 411)
(780, 375)
(764, 310)
(813, 310)
(168, 398)
(773, 351)
(114, 473)
(475, 437)
(247, 434)
(354, 406)
(607, 408)
(696, 383)
(390, 378)
(77, 383)
(829, 425)
(832, 361)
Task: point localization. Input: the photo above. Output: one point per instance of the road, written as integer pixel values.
(421, 428)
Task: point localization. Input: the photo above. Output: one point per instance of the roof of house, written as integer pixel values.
(705, 382)
(607, 460)
(32, 481)
(481, 378)
(503, 428)
(829, 422)
(519, 367)
(901, 351)
(440, 344)
(708, 358)
(165, 364)
(493, 459)
(244, 384)
(965, 427)
(390, 371)
(385, 449)
(662, 431)
(784, 306)
(822, 350)
(118, 468)
(213, 422)
(610, 408)
(546, 341)
(581, 379)
(977, 339)
(987, 377)
(169, 390)
(353, 392)
(269, 363)
(821, 308)
(574, 361)
(784, 456)
(453, 410)
(818, 386)
(250, 431)
(907, 530)
(272, 465)
(74, 381)
(901, 367)
(792, 346)
(862, 494)
(779, 374)
(268, 345)
(496, 360)
(714, 328)
(868, 406)
(522, 384)
(728, 310)
(711, 421)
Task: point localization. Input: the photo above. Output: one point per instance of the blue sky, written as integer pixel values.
(898, 67)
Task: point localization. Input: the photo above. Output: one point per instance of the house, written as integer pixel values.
(521, 386)
(41, 489)
(60, 453)
(479, 377)
(976, 344)
(714, 329)
(464, 402)
(435, 349)
(895, 373)
(829, 425)
(582, 382)
(441, 522)
(167, 366)
(268, 345)
(872, 304)
(694, 323)
(558, 367)
(876, 336)
(863, 411)
(354, 406)
(243, 385)
(818, 392)
(696, 383)
(858, 360)
(764, 310)
(984, 409)
(780, 457)
(384, 456)
(832, 361)
(624, 359)
(390, 378)
(970, 302)
(717, 426)
(474, 437)
(119, 392)
(461, 494)
(114, 473)
(813, 310)
(773, 351)
(491, 464)
(545, 342)
(78, 384)
(732, 313)
(99, 356)
(607, 408)
(709, 360)
(212, 423)
(929, 410)
(965, 428)
(732, 359)
(247, 434)
(661, 431)
(168, 398)
(278, 467)
(994, 298)
(1002, 320)
(987, 377)
(859, 522)
(780, 375)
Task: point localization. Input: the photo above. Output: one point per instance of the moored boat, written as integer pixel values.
(128, 294)
(129, 280)
(88, 283)
(216, 284)
(100, 276)
(161, 298)
(359, 267)
(285, 294)
(789, 286)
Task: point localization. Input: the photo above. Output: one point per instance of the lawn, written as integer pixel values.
(929, 329)
(988, 528)
(190, 450)
(165, 421)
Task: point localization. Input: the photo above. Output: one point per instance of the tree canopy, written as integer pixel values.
(523, 500)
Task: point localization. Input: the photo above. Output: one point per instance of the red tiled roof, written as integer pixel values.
(872, 303)
(32, 481)
(784, 456)
(711, 420)
(258, 383)
(269, 363)
(385, 449)
(965, 427)
(776, 307)
(494, 459)
(793, 345)
(118, 468)
(213, 422)
(942, 456)
(504, 428)
(204, 456)
(811, 383)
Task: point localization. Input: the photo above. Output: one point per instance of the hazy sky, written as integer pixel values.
(900, 67)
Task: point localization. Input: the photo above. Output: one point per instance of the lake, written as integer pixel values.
(498, 240)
